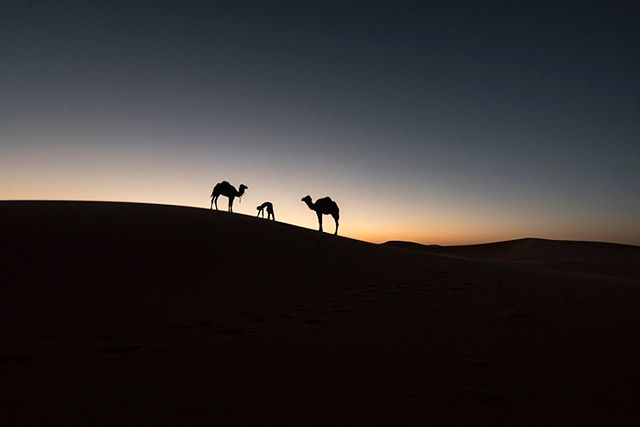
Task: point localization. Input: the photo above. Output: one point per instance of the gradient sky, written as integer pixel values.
(438, 122)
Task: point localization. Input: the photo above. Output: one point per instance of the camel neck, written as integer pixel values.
(310, 204)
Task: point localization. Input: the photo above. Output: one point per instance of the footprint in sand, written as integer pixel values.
(179, 326)
(104, 336)
(20, 358)
(120, 349)
(196, 325)
(458, 395)
(231, 332)
(205, 325)
(517, 316)
(480, 363)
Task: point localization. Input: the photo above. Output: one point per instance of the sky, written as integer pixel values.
(437, 122)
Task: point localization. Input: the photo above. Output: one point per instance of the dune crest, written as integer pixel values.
(154, 314)
(568, 255)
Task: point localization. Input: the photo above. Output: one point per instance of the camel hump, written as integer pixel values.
(223, 185)
(327, 202)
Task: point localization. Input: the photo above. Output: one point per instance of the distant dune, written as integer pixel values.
(577, 256)
(134, 314)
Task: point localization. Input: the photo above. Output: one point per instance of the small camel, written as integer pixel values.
(268, 206)
(324, 206)
(225, 189)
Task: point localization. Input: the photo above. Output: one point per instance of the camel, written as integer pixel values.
(269, 207)
(225, 189)
(324, 206)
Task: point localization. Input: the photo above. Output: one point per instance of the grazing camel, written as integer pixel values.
(324, 206)
(269, 208)
(225, 189)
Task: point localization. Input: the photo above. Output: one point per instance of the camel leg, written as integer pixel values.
(336, 220)
(215, 200)
(212, 203)
(319, 220)
(273, 216)
(231, 204)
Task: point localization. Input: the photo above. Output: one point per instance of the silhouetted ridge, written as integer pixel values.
(410, 245)
(186, 312)
(527, 249)
(567, 255)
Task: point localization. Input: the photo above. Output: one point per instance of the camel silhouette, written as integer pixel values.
(324, 206)
(225, 189)
(269, 208)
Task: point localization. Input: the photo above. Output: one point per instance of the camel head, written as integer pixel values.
(241, 191)
(306, 199)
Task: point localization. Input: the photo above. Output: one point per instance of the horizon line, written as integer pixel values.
(307, 228)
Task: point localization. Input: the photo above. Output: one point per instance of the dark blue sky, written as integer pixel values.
(436, 121)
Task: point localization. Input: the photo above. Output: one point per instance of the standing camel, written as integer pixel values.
(324, 206)
(268, 206)
(225, 189)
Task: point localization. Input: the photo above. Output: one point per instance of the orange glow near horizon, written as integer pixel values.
(374, 212)
(381, 108)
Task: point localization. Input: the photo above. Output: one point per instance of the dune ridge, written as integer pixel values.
(567, 255)
(124, 313)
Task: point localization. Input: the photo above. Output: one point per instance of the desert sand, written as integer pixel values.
(134, 314)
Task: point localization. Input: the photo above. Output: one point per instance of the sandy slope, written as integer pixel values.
(128, 313)
(561, 255)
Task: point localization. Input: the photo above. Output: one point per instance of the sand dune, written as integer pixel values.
(117, 313)
(576, 256)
